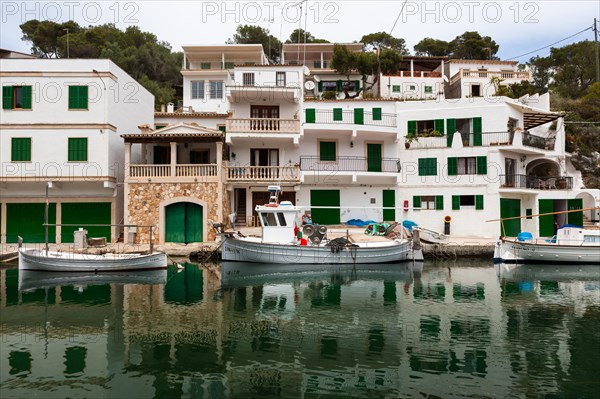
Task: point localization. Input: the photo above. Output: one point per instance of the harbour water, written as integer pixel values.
(451, 329)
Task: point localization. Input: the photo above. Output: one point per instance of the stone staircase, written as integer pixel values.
(589, 225)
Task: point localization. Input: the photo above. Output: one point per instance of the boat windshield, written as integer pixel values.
(270, 219)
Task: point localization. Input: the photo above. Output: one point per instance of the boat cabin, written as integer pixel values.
(277, 220)
(577, 236)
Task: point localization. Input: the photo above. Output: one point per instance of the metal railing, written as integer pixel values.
(263, 173)
(326, 116)
(544, 143)
(262, 125)
(536, 182)
(485, 139)
(350, 164)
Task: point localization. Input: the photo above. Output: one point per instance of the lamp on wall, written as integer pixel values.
(523, 158)
(352, 144)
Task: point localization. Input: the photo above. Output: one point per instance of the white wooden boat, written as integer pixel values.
(431, 236)
(572, 245)
(280, 244)
(53, 261)
(31, 280)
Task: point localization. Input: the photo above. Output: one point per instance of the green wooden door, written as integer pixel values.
(183, 223)
(27, 220)
(575, 218)
(510, 208)
(374, 157)
(389, 199)
(84, 214)
(359, 116)
(325, 198)
(477, 132)
(546, 222)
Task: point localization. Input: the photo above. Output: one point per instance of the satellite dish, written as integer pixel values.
(309, 85)
(306, 70)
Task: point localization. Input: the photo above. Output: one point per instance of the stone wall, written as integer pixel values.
(145, 200)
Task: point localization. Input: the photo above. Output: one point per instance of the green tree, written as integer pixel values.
(251, 34)
(45, 37)
(432, 47)
(574, 68)
(298, 36)
(541, 71)
(383, 40)
(473, 46)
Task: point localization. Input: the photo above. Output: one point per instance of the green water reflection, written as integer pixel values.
(452, 329)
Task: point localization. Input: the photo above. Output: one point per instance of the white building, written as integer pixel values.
(60, 123)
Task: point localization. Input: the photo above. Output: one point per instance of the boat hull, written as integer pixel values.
(524, 252)
(234, 249)
(34, 259)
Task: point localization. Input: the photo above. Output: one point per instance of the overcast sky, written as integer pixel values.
(517, 26)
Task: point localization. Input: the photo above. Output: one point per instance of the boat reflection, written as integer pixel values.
(243, 274)
(549, 272)
(33, 280)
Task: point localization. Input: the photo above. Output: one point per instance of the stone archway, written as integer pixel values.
(543, 168)
(590, 202)
(162, 215)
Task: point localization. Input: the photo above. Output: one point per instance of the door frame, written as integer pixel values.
(162, 214)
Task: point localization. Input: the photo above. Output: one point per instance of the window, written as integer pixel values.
(428, 89)
(467, 166)
(459, 201)
(268, 219)
(327, 150)
(78, 149)
(16, 97)
(78, 97)
(427, 166)
(328, 86)
(316, 64)
(281, 219)
(222, 128)
(205, 65)
(280, 79)
(199, 157)
(21, 149)
(156, 127)
(248, 78)
(198, 90)
(430, 202)
(228, 65)
(529, 213)
(216, 89)
(412, 87)
(396, 89)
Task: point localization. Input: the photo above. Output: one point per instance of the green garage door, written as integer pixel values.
(510, 208)
(575, 218)
(546, 222)
(84, 214)
(27, 220)
(389, 199)
(183, 222)
(325, 198)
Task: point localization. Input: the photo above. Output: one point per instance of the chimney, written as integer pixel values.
(145, 129)
(163, 108)
(170, 108)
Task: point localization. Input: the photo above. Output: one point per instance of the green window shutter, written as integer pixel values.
(452, 166)
(311, 115)
(320, 86)
(477, 131)
(427, 166)
(479, 202)
(439, 125)
(78, 97)
(482, 165)
(20, 149)
(83, 97)
(78, 149)
(376, 114)
(455, 202)
(357, 85)
(439, 202)
(26, 93)
(359, 116)
(73, 97)
(450, 130)
(337, 114)
(416, 201)
(338, 85)
(223, 128)
(412, 128)
(422, 166)
(205, 65)
(327, 150)
(7, 97)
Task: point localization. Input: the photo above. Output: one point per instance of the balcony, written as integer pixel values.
(543, 143)
(485, 139)
(417, 74)
(251, 174)
(536, 182)
(175, 173)
(325, 116)
(495, 74)
(350, 164)
(263, 125)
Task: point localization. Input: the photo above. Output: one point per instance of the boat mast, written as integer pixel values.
(46, 218)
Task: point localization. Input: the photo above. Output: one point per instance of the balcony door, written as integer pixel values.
(374, 157)
(264, 157)
(264, 111)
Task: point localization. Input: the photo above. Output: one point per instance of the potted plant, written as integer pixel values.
(409, 139)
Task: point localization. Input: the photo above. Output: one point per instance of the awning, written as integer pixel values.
(534, 117)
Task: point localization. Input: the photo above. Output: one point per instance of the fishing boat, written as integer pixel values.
(431, 236)
(280, 243)
(571, 245)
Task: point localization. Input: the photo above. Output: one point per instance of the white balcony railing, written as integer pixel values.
(495, 74)
(263, 173)
(196, 170)
(166, 171)
(149, 170)
(263, 125)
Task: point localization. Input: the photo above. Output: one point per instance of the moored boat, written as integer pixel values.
(431, 236)
(280, 243)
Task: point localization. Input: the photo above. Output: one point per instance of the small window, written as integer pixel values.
(281, 219)
(16, 97)
(329, 86)
(467, 200)
(228, 65)
(156, 127)
(216, 89)
(467, 166)
(428, 202)
(396, 89)
(528, 213)
(222, 128)
(269, 219)
(198, 90)
(316, 64)
(412, 87)
(428, 89)
(21, 149)
(248, 78)
(78, 149)
(78, 97)
(280, 79)
(205, 65)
